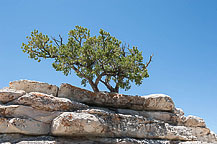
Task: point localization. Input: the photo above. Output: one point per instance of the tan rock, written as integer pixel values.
(7, 95)
(194, 121)
(77, 124)
(167, 117)
(151, 102)
(104, 124)
(20, 111)
(179, 111)
(34, 86)
(23, 126)
(48, 102)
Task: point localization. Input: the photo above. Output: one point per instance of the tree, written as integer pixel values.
(95, 59)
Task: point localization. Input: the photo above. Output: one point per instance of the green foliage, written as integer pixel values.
(95, 59)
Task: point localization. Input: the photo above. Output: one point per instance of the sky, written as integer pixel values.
(182, 35)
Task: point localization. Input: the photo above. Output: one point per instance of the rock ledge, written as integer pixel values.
(36, 112)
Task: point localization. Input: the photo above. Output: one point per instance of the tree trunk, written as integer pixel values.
(94, 86)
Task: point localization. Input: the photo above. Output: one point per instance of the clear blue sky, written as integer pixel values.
(182, 34)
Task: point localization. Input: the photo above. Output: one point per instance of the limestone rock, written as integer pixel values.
(7, 95)
(104, 124)
(48, 102)
(157, 115)
(27, 139)
(34, 86)
(20, 111)
(23, 126)
(20, 139)
(194, 121)
(77, 124)
(30, 113)
(179, 111)
(151, 102)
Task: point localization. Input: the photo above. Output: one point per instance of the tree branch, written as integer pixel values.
(150, 59)
(99, 78)
(93, 85)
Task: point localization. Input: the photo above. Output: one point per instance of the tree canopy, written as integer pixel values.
(95, 59)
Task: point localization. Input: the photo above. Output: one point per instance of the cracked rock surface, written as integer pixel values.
(34, 112)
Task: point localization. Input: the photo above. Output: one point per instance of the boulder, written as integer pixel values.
(7, 95)
(194, 121)
(46, 102)
(158, 102)
(77, 124)
(23, 126)
(34, 86)
(20, 111)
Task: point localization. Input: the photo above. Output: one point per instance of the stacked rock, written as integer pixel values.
(36, 112)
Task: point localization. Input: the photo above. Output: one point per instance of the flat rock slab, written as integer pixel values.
(34, 86)
(13, 138)
(46, 102)
(20, 111)
(167, 117)
(194, 121)
(23, 126)
(158, 102)
(104, 124)
(7, 95)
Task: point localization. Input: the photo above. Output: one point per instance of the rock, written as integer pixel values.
(23, 126)
(193, 121)
(158, 102)
(34, 86)
(205, 135)
(105, 124)
(37, 142)
(30, 116)
(7, 95)
(157, 115)
(19, 138)
(179, 111)
(20, 111)
(77, 124)
(46, 102)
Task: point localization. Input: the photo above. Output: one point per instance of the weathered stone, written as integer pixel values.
(20, 138)
(205, 135)
(77, 124)
(151, 102)
(23, 126)
(34, 86)
(193, 121)
(104, 124)
(7, 95)
(179, 111)
(37, 142)
(111, 118)
(158, 115)
(20, 111)
(193, 142)
(48, 102)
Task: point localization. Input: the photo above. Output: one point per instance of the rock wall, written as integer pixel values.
(36, 112)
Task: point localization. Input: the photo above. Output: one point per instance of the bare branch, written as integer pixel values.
(61, 40)
(150, 59)
(56, 41)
